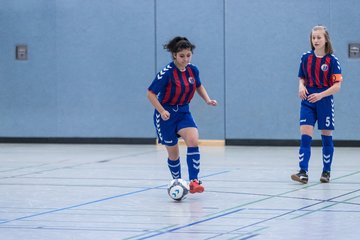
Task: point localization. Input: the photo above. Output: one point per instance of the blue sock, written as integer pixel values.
(175, 168)
(327, 151)
(305, 152)
(193, 162)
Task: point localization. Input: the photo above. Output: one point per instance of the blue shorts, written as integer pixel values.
(167, 131)
(321, 111)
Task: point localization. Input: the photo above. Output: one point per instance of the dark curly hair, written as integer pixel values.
(178, 44)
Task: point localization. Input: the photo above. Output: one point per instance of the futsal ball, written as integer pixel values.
(178, 189)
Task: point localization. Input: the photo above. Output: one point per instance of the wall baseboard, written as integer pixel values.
(78, 140)
(285, 143)
(202, 142)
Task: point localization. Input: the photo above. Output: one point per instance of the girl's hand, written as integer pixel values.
(303, 92)
(314, 97)
(165, 115)
(211, 102)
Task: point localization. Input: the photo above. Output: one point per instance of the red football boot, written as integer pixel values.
(195, 186)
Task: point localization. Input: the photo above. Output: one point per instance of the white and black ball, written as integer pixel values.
(178, 189)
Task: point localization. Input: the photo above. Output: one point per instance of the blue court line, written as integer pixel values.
(237, 209)
(237, 237)
(214, 174)
(287, 213)
(79, 205)
(330, 201)
(72, 166)
(292, 211)
(265, 220)
(256, 223)
(33, 166)
(67, 229)
(284, 193)
(190, 224)
(95, 201)
(248, 237)
(47, 170)
(285, 197)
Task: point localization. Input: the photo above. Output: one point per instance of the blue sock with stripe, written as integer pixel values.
(193, 162)
(305, 152)
(327, 151)
(175, 168)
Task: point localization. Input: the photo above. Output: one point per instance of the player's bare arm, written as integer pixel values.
(303, 92)
(330, 91)
(204, 95)
(165, 115)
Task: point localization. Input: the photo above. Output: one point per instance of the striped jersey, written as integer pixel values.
(174, 87)
(319, 72)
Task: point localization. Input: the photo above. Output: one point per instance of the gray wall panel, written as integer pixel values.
(90, 64)
(28, 93)
(105, 54)
(202, 22)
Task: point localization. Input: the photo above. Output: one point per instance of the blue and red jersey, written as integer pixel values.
(175, 87)
(319, 72)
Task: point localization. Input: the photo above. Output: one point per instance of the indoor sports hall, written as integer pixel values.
(107, 192)
(79, 157)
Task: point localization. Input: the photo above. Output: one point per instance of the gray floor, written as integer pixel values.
(60, 192)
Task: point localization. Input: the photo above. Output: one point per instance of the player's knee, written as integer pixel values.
(326, 132)
(306, 130)
(192, 142)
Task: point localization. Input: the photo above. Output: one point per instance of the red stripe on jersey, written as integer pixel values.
(177, 88)
(317, 72)
(187, 88)
(327, 82)
(167, 92)
(310, 59)
(194, 88)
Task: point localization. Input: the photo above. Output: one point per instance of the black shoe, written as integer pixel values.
(325, 177)
(301, 176)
